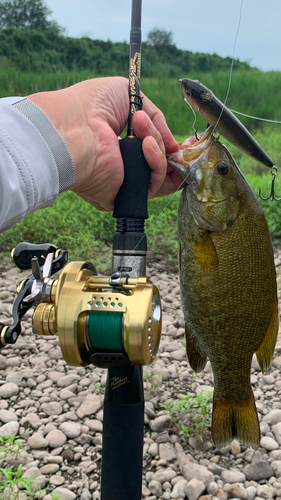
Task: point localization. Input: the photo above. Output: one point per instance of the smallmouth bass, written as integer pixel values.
(202, 99)
(228, 283)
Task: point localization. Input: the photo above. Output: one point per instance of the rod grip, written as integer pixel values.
(122, 451)
(131, 199)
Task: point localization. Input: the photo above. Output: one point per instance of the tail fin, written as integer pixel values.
(235, 419)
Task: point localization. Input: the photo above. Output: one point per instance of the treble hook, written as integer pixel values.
(271, 196)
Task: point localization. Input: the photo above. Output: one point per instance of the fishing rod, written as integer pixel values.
(113, 322)
(124, 406)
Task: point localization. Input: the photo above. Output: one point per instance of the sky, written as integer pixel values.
(208, 26)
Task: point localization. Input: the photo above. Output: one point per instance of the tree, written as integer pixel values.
(26, 14)
(159, 37)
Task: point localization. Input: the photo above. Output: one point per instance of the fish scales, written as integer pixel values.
(228, 284)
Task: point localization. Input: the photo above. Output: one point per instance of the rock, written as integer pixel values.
(236, 490)
(258, 470)
(277, 431)
(56, 480)
(235, 447)
(205, 389)
(8, 416)
(251, 492)
(37, 441)
(268, 443)
(233, 476)
(71, 429)
(164, 475)
(276, 466)
(51, 408)
(215, 468)
(68, 454)
(273, 417)
(67, 380)
(31, 473)
(64, 494)
(9, 429)
(145, 491)
(153, 449)
(8, 390)
(94, 425)
(212, 488)
(194, 489)
(266, 491)
(160, 423)
(90, 405)
(56, 438)
(33, 419)
(155, 487)
(179, 489)
(167, 452)
(192, 470)
(49, 469)
(3, 362)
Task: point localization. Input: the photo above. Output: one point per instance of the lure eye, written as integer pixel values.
(222, 168)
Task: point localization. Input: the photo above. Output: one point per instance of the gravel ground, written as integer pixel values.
(57, 411)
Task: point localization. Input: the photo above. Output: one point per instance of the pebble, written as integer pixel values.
(194, 489)
(89, 406)
(64, 493)
(268, 443)
(37, 441)
(8, 416)
(71, 429)
(9, 429)
(233, 476)
(8, 390)
(56, 438)
(236, 490)
(57, 411)
(160, 423)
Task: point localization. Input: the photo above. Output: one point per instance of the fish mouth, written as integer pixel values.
(183, 160)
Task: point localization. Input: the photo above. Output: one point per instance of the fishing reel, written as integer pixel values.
(107, 321)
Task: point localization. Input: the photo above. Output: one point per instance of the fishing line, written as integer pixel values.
(232, 63)
(193, 126)
(254, 117)
(195, 118)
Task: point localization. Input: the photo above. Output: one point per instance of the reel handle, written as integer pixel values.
(24, 252)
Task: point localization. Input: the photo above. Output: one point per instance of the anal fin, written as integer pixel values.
(196, 356)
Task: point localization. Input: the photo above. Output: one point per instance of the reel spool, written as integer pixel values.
(101, 320)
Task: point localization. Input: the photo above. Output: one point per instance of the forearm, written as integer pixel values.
(35, 164)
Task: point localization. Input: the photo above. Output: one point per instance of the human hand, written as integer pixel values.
(90, 116)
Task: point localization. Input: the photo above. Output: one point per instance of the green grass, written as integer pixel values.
(190, 414)
(87, 233)
(73, 224)
(11, 481)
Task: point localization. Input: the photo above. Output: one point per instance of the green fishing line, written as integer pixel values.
(105, 330)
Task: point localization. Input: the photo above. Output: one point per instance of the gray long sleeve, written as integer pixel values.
(35, 165)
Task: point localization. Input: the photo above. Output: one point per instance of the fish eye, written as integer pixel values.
(188, 93)
(222, 168)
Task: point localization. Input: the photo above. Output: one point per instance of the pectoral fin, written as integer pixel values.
(265, 351)
(196, 356)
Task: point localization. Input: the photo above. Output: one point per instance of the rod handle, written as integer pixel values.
(131, 199)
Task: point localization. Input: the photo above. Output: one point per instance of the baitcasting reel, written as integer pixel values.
(100, 320)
